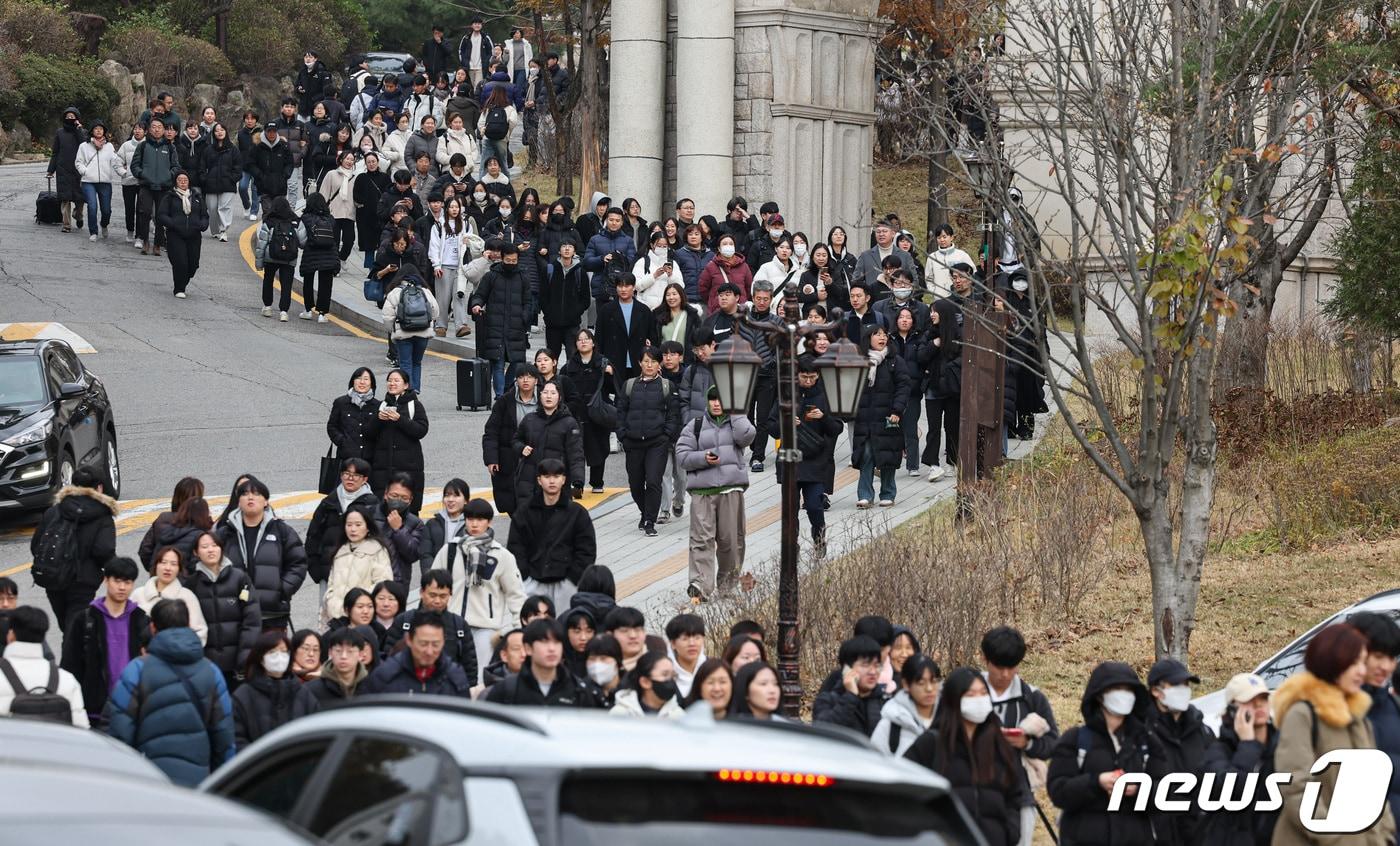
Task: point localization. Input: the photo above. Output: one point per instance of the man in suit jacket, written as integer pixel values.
(868, 268)
(625, 328)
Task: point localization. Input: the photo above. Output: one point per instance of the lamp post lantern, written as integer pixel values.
(843, 370)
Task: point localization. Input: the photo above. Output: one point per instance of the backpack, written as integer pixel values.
(320, 232)
(40, 703)
(413, 314)
(665, 392)
(497, 123)
(349, 90)
(282, 246)
(57, 556)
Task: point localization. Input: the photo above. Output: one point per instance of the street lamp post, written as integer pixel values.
(843, 368)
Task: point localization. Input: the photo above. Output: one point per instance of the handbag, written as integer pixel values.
(809, 441)
(602, 413)
(374, 290)
(330, 472)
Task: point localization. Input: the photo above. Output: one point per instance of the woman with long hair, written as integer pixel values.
(743, 650)
(823, 281)
(222, 167)
(271, 695)
(757, 694)
(941, 359)
(448, 250)
(358, 606)
(187, 488)
(714, 685)
(591, 374)
(877, 441)
(841, 254)
(487, 125)
(167, 568)
(338, 187)
(481, 206)
(369, 187)
(361, 562)
(678, 319)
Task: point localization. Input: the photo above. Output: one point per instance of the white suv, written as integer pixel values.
(426, 770)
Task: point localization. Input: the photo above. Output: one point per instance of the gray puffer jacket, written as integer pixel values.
(727, 437)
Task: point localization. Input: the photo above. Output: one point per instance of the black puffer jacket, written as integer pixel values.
(652, 409)
(230, 611)
(223, 167)
(398, 444)
(177, 221)
(396, 675)
(995, 806)
(93, 511)
(262, 704)
(564, 294)
(522, 689)
(502, 330)
(276, 564)
(407, 546)
(326, 533)
(1228, 754)
(85, 650)
(349, 427)
(457, 643)
(820, 465)
(182, 538)
(554, 435)
(271, 166)
(497, 439)
(189, 155)
(315, 256)
(1185, 741)
(889, 395)
(1074, 784)
(552, 542)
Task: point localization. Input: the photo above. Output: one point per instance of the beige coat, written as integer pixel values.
(457, 142)
(146, 597)
(339, 190)
(1342, 724)
(361, 565)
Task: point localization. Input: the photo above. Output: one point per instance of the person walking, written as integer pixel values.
(152, 165)
(352, 417)
(326, 533)
(552, 537)
(448, 251)
(131, 186)
(99, 168)
(648, 423)
(398, 431)
(711, 451)
(817, 432)
(486, 584)
(249, 135)
(361, 561)
(500, 305)
(338, 187)
(941, 360)
(271, 695)
(592, 376)
(256, 541)
(74, 540)
(105, 636)
(877, 440)
(228, 605)
(625, 328)
(550, 431)
(726, 268)
(166, 569)
(185, 218)
(63, 164)
(498, 436)
(409, 312)
(25, 669)
(1246, 745)
(369, 187)
(316, 234)
(422, 667)
(910, 712)
(275, 254)
(1028, 721)
(186, 743)
(222, 168)
(496, 124)
(564, 296)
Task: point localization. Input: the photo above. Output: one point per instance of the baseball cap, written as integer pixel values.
(1170, 671)
(1244, 687)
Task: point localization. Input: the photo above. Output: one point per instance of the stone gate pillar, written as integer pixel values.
(704, 105)
(637, 107)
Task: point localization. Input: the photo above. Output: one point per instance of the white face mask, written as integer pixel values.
(479, 196)
(602, 673)
(505, 212)
(1020, 285)
(1177, 697)
(1120, 702)
(799, 250)
(659, 254)
(726, 250)
(901, 293)
(277, 662)
(310, 64)
(975, 709)
(775, 234)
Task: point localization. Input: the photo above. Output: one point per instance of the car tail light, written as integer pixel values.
(775, 777)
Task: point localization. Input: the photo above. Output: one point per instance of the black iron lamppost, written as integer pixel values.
(843, 369)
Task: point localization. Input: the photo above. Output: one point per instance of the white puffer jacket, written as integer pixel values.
(99, 165)
(356, 565)
(455, 141)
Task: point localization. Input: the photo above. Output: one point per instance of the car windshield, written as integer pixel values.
(701, 811)
(21, 381)
(1277, 671)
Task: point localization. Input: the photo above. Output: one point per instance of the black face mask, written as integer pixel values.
(557, 217)
(665, 691)
(399, 505)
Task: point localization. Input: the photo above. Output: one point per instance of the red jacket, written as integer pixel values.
(722, 270)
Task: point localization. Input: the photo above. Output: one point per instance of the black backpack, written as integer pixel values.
(39, 703)
(320, 232)
(57, 555)
(497, 124)
(282, 246)
(414, 314)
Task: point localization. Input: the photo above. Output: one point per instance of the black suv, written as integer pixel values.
(54, 418)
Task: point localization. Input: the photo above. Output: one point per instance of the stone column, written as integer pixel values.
(704, 105)
(636, 109)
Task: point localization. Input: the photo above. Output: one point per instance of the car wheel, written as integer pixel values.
(66, 466)
(113, 467)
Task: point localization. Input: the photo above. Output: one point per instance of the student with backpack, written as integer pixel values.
(319, 262)
(711, 451)
(31, 685)
(648, 422)
(106, 636)
(276, 254)
(73, 541)
(496, 124)
(409, 311)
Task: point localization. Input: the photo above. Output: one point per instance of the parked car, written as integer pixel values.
(55, 416)
(425, 769)
(1289, 660)
(26, 743)
(381, 63)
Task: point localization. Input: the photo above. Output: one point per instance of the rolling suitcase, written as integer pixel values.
(473, 383)
(46, 208)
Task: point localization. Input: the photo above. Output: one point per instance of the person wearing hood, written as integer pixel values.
(325, 534)
(711, 451)
(271, 695)
(966, 747)
(361, 561)
(185, 743)
(597, 593)
(63, 164)
(1089, 759)
(153, 166)
(83, 504)
(486, 583)
(256, 541)
(550, 431)
(910, 712)
(185, 218)
(166, 570)
(650, 690)
(221, 169)
(1243, 750)
(313, 83)
(271, 164)
(1180, 727)
(105, 636)
(99, 168)
(343, 673)
(398, 431)
(1027, 719)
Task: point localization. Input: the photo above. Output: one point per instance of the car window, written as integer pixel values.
(21, 381)
(389, 790)
(1290, 661)
(61, 368)
(69, 360)
(275, 784)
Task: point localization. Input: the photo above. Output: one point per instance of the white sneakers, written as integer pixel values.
(936, 473)
(321, 318)
(282, 316)
(267, 311)
(886, 503)
(913, 474)
(138, 244)
(252, 216)
(179, 295)
(306, 315)
(862, 503)
(222, 236)
(92, 238)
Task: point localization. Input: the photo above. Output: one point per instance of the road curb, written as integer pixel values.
(348, 303)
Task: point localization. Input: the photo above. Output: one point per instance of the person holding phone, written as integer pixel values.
(1028, 721)
(878, 439)
(655, 271)
(1246, 745)
(711, 451)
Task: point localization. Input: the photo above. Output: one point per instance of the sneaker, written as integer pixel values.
(756, 467)
(862, 503)
(597, 489)
(139, 244)
(388, 357)
(129, 237)
(663, 517)
(252, 216)
(886, 503)
(642, 523)
(695, 596)
(179, 295)
(826, 502)
(282, 316)
(936, 473)
(463, 331)
(223, 236)
(678, 510)
(306, 315)
(267, 311)
(321, 318)
(914, 473)
(650, 529)
(104, 233)
(92, 238)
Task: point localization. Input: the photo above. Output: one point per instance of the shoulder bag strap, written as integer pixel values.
(16, 686)
(52, 686)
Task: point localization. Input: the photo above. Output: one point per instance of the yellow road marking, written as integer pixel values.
(22, 331)
(245, 246)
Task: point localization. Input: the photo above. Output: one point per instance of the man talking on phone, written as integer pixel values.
(856, 701)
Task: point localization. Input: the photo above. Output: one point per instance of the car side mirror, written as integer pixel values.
(71, 390)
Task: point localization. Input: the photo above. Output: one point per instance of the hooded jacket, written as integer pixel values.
(99, 165)
(276, 563)
(62, 162)
(552, 542)
(231, 613)
(727, 437)
(1074, 783)
(93, 512)
(900, 725)
(327, 688)
(313, 85)
(1184, 740)
(263, 703)
(487, 590)
(271, 164)
(149, 709)
(628, 704)
(87, 652)
(397, 675)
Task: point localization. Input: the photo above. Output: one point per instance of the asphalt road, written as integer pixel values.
(204, 386)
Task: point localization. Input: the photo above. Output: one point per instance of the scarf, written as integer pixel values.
(345, 497)
(876, 357)
(184, 196)
(473, 550)
(358, 398)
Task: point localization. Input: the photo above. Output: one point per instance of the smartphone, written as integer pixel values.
(1013, 732)
(711, 454)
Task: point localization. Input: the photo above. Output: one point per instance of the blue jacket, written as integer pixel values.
(501, 79)
(600, 245)
(691, 262)
(150, 709)
(1385, 721)
(386, 100)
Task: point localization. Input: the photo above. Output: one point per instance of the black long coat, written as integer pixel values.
(351, 427)
(889, 395)
(398, 445)
(63, 164)
(586, 379)
(502, 333)
(554, 435)
(497, 439)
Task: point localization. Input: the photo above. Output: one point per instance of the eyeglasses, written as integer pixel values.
(350, 474)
